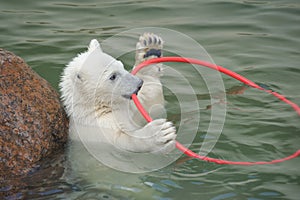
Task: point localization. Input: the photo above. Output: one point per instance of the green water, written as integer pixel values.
(258, 39)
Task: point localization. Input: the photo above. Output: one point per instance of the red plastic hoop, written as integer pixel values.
(234, 75)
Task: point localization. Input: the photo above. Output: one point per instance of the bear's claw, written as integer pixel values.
(148, 46)
(163, 135)
(150, 40)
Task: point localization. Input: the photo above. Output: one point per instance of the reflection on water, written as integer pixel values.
(258, 39)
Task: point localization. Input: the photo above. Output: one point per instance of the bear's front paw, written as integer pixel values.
(163, 136)
(148, 46)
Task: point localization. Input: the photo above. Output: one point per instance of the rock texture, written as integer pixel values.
(33, 123)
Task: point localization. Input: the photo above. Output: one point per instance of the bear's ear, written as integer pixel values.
(94, 44)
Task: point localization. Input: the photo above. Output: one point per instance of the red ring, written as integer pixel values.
(223, 70)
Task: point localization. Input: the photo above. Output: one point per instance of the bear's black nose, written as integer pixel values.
(132, 84)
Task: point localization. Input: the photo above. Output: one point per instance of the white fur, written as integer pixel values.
(92, 98)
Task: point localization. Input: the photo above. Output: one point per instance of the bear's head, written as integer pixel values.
(93, 81)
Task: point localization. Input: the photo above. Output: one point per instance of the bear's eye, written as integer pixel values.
(113, 77)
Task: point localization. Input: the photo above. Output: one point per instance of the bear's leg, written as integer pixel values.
(151, 94)
(158, 136)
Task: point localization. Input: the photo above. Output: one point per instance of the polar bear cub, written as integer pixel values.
(96, 91)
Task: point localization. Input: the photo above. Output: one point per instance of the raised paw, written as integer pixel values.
(148, 46)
